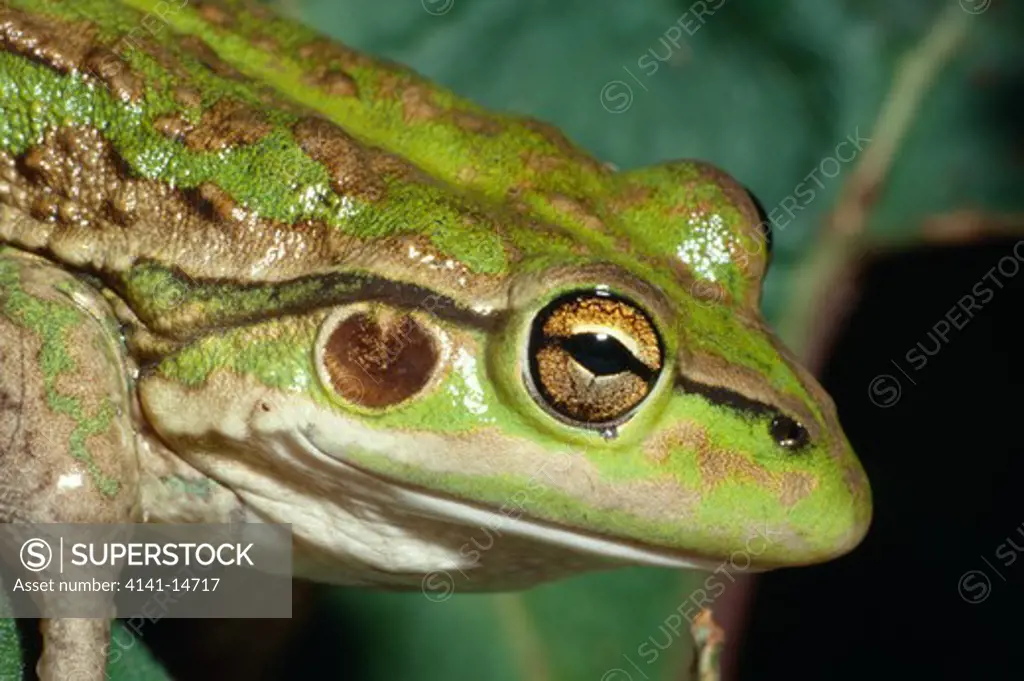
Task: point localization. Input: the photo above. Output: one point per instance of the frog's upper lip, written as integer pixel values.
(471, 514)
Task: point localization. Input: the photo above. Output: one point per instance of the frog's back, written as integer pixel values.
(216, 142)
(133, 135)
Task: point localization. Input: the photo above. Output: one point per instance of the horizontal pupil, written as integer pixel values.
(603, 355)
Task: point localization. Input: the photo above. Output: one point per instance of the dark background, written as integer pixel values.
(946, 464)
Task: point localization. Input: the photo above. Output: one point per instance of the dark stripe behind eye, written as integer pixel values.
(726, 397)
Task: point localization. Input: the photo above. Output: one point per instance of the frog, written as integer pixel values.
(251, 275)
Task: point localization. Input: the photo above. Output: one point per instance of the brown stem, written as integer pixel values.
(710, 638)
(956, 228)
(827, 281)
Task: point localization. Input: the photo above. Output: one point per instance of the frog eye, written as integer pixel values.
(593, 358)
(375, 357)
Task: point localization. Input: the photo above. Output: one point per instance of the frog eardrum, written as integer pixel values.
(374, 357)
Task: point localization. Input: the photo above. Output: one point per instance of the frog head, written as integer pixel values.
(664, 374)
(620, 399)
(402, 320)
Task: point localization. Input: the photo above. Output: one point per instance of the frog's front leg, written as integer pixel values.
(67, 452)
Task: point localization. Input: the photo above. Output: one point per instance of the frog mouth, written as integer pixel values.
(610, 549)
(607, 550)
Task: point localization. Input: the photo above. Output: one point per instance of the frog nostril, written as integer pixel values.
(789, 434)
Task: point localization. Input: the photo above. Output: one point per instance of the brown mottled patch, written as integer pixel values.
(66, 47)
(575, 210)
(273, 100)
(44, 41)
(390, 165)
(347, 161)
(173, 126)
(188, 97)
(226, 124)
(43, 208)
(36, 165)
(690, 208)
(564, 145)
(687, 434)
(215, 14)
(418, 104)
(624, 244)
(543, 163)
(657, 455)
(260, 11)
(8, 167)
(418, 251)
(199, 49)
(213, 203)
(119, 206)
(115, 72)
(325, 51)
(265, 42)
(796, 486)
(69, 211)
(579, 248)
(312, 49)
(333, 81)
(476, 123)
(718, 466)
(630, 196)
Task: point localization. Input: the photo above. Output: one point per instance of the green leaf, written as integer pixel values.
(10, 650)
(581, 628)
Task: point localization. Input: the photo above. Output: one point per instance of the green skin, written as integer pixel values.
(209, 254)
